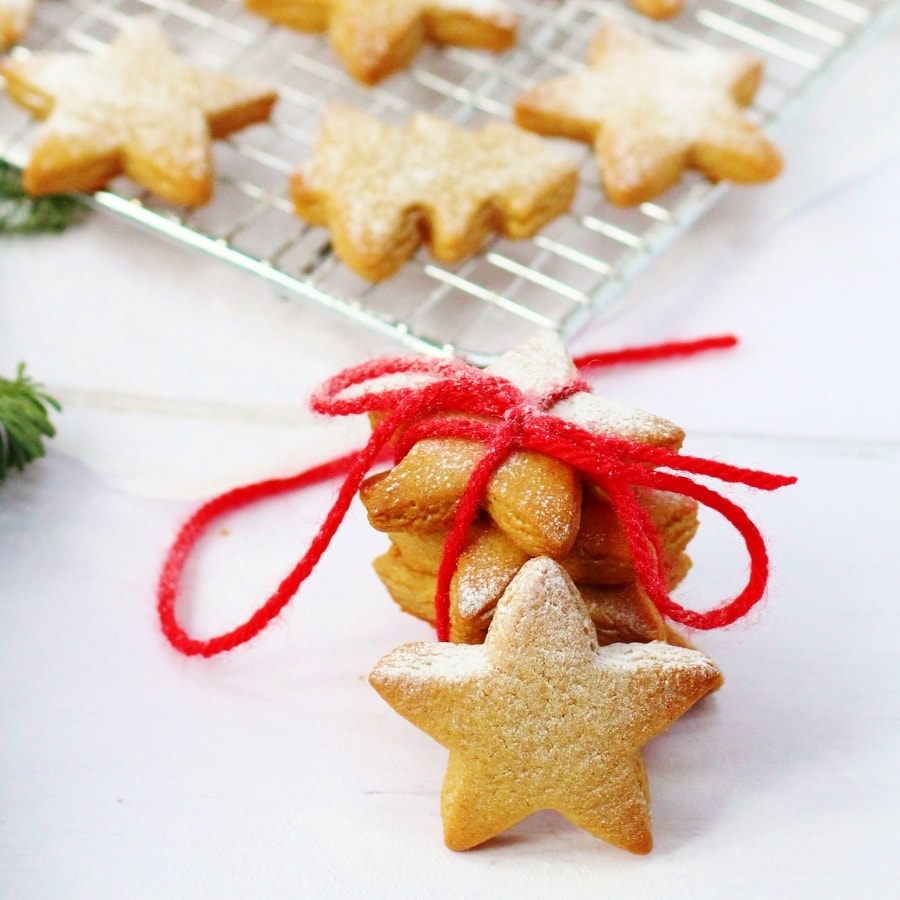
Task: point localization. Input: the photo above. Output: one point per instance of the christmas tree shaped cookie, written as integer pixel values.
(376, 37)
(382, 191)
(138, 110)
(651, 112)
(541, 717)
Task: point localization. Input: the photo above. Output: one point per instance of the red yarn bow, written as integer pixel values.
(508, 420)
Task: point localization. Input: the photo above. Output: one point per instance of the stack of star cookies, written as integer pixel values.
(559, 668)
(534, 506)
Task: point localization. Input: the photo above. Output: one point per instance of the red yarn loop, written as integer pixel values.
(422, 398)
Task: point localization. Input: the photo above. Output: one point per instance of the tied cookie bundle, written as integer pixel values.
(573, 666)
(540, 527)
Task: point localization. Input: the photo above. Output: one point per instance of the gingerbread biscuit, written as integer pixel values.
(652, 112)
(488, 563)
(411, 589)
(422, 550)
(620, 612)
(375, 38)
(383, 191)
(540, 716)
(533, 505)
(15, 17)
(536, 500)
(623, 613)
(600, 554)
(138, 110)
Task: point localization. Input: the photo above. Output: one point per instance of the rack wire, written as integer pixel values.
(574, 268)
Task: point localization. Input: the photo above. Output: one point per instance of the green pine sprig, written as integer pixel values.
(24, 421)
(23, 214)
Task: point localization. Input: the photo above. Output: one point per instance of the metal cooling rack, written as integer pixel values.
(575, 267)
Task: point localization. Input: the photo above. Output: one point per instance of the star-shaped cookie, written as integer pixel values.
(138, 110)
(377, 37)
(382, 191)
(651, 112)
(541, 717)
(15, 17)
(534, 499)
(541, 364)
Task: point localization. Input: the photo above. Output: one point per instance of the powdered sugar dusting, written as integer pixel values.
(646, 106)
(476, 593)
(392, 382)
(674, 96)
(536, 366)
(653, 655)
(449, 662)
(139, 97)
(542, 364)
(601, 416)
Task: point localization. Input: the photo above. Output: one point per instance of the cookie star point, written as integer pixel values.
(540, 717)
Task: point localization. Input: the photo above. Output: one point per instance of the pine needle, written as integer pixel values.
(22, 214)
(24, 421)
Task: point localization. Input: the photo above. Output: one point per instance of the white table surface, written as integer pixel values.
(275, 771)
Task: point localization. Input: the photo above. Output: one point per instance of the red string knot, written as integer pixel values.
(416, 398)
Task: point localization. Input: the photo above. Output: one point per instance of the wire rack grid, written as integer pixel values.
(574, 268)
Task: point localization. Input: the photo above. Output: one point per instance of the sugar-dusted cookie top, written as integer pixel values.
(15, 17)
(651, 112)
(383, 190)
(541, 717)
(377, 37)
(138, 110)
(542, 363)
